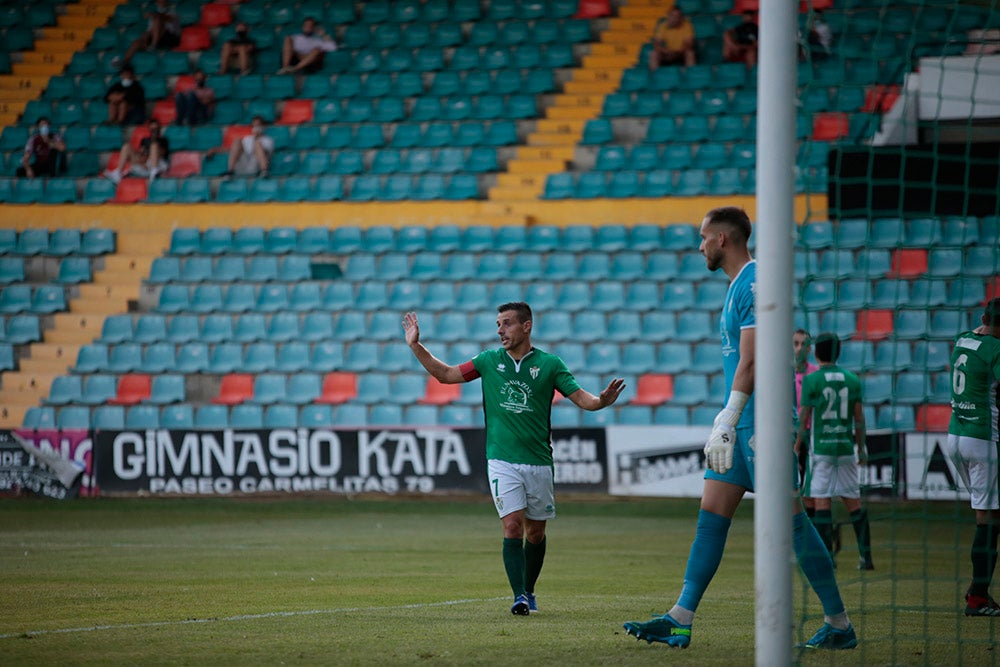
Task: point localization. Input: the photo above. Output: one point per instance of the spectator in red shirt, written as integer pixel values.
(44, 154)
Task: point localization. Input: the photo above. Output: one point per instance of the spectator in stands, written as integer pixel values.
(126, 100)
(44, 154)
(242, 47)
(195, 106)
(162, 32)
(673, 41)
(303, 52)
(150, 159)
(739, 44)
(251, 155)
(818, 43)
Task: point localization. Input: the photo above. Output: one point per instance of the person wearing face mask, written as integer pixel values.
(150, 158)
(241, 47)
(251, 155)
(304, 51)
(126, 100)
(44, 154)
(195, 106)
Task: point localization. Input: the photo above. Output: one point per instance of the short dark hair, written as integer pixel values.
(733, 217)
(991, 314)
(263, 121)
(827, 347)
(522, 309)
(802, 331)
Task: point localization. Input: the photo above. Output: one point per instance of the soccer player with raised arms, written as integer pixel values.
(831, 401)
(519, 382)
(729, 453)
(973, 437)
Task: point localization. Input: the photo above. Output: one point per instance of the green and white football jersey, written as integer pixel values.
(832, 392)
(517, 402)
(975, 374)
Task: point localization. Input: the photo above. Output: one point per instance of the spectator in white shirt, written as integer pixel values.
(251, 155)
(303, 52)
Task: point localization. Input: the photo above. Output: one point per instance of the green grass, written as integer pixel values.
(374, 581)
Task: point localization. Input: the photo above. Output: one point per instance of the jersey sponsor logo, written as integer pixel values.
(501, 367)
(969, 343)
(834, 377)
(515, 397)
(534, 372)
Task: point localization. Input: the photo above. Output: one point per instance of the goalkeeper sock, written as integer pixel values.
(816, 564)
(703, 561)
(984, 558)
(823, 520)
(859, 519)
(513, 562)
(534, 556)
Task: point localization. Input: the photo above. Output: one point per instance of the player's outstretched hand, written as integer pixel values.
(411, 328)
(719, 448)
(612, 392)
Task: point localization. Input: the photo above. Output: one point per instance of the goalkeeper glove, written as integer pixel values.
(719, 448)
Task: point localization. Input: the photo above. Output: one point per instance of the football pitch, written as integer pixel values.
(419, 581)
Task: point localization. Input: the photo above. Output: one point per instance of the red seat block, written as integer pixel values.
(294, 112)
(165, 111)
(195, 38)
(234, 132)
(215, 14)
(184, 163)
(338, 387)
(653, 389)
(880, 98)
(933, 418)
(874, 325)
(132, 389)
(908, 263)
(131, 190)
(830, 126)
(185, 82)
(235, 388)
(440, 394)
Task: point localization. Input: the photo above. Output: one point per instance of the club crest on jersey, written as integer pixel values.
(534, 372)
(515, 397)
(501, 367)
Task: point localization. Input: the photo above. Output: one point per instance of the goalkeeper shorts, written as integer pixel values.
(742, 473)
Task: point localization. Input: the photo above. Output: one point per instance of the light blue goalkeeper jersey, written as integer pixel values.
(737, 315)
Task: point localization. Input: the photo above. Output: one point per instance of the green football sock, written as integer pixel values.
(824, 526)
(534, 556)
(984, 558)
(859, 519)
(513, 562)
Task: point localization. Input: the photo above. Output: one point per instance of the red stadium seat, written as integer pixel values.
(138, 134)
(440, 394)
(741, 6)
(933, 418)
(235, 388)
(215, 14)
(874, 325)
(294, 112)
(132, 389)
(592, 9)
(165, 111)
(131, 190)
(195, 38)
(338, 387)
(653, 389)
(880, 98)
(184, 163)
(992, 290)
(185, 82)
(908, 263)
(830, 126)
(234, 132)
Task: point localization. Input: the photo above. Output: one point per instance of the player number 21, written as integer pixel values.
(831, 403)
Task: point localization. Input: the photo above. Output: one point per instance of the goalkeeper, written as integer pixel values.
(725, 233)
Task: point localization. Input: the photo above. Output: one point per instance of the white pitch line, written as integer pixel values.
(244, 617)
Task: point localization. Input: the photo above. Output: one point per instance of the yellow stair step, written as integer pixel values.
(521, 180)
(143, 243)
(36, 83)
(602, 74)
(20, 94)
(514, 194)
(549, 139)
(573, 113)
(635, 24)
(590, 87)
(29, 383)
(119, 291)
(544, 153)
(535, 166)
(131, 264)
(44, 366)
(33, 69)
(567, 100)
(552, 126)
(12, 416)
(607, 62)
(82, 21)
(630, 49)
(91, 9)
(633, 11)
(63, 351)
(47, 58)
(65, 34)
(58, 45)
(97, 306)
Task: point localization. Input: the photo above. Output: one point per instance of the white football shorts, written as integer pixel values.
(831, 476)
(975, 462)
(519, 486)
